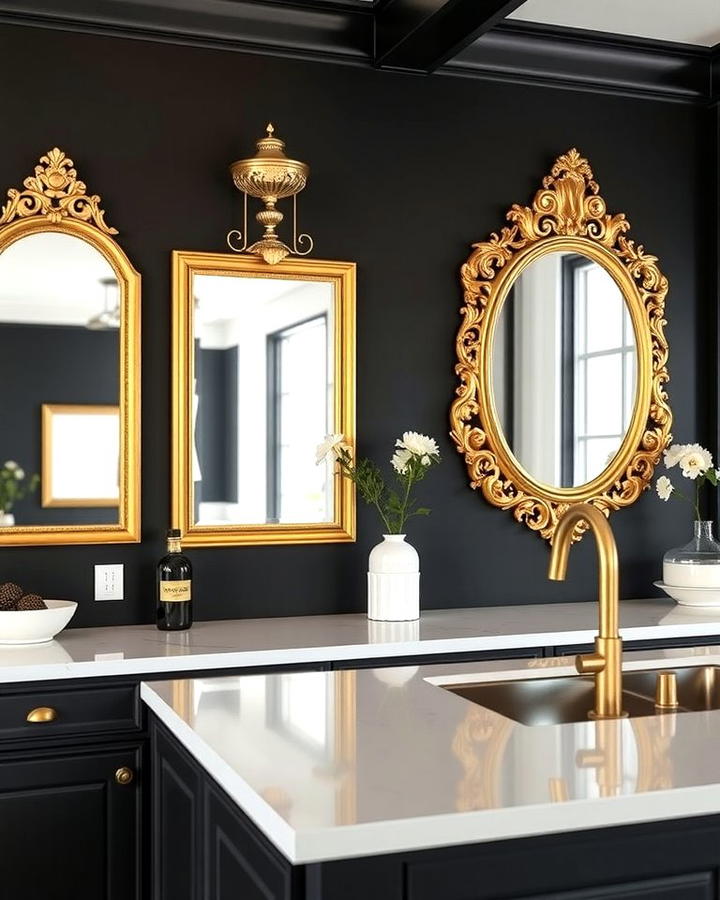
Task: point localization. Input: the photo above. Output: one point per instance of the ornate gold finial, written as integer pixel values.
(56, 193)
(269, 176)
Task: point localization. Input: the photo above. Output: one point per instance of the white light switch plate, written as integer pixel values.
(109, 582)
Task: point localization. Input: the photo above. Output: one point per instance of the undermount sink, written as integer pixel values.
(556, 701)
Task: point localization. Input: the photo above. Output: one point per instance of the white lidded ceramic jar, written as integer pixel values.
(394, 580)
(697, 564)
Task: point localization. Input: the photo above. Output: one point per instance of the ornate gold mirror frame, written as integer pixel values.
(567, 214)
(54, 199)
(341, 277)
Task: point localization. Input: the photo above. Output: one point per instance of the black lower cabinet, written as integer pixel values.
(71, 824)
(214, 852)
(204, 847)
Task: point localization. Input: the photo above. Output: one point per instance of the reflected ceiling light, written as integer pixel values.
(270, 176)
(110, 316)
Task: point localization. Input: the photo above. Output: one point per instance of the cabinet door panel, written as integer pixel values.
(177, 826)
(699, 886)
(68, 831)
(237, 862)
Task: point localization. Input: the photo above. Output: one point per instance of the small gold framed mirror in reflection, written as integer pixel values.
(263, 369)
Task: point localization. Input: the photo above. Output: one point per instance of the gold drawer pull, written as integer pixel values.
(41, 714)
(124, 775)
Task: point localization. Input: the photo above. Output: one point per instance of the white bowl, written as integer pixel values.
(35, 626)
(704, 597)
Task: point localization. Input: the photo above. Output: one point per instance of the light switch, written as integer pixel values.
(109, 582)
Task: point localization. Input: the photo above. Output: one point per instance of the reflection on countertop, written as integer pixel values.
(338, 764)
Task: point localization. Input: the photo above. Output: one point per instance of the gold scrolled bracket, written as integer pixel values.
(568, 215)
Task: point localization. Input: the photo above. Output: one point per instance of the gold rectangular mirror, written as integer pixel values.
(263, 369)
(70, 360)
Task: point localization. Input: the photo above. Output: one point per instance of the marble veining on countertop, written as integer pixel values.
(349, 763)
(142, 649)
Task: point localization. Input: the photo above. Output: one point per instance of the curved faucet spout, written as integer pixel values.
(606, 662)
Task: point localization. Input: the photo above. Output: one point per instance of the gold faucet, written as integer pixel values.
(606, 662)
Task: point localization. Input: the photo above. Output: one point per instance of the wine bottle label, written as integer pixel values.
(175, 591)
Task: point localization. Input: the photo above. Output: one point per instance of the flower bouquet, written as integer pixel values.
(393, 565)
(691, 574)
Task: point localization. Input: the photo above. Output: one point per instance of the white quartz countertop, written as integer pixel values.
(236, 643)
(332, 765)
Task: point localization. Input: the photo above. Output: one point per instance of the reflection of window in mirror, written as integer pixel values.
(564, 362)
(264, 394)
(598, 369)
(300, 400)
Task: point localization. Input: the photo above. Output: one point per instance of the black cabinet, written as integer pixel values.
(71, 824)
(203, 845)
(673, 860)
(177, 816)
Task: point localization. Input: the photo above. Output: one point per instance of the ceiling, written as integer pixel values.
(684, 21)
(66, 289)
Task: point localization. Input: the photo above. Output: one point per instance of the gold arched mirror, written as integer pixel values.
(69, 361)
(561, 356)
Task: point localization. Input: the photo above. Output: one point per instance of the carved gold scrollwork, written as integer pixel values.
(567, 214)
(55, 191)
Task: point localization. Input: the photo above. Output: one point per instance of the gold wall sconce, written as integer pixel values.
(270, 176)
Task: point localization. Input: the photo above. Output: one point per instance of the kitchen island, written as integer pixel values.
(321, 785)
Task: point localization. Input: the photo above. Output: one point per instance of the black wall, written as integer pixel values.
(51, 364)
(406, 172)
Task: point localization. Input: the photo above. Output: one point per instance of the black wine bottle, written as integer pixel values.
(174, 587)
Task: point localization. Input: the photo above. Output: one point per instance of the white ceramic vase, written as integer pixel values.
(393, 581)
(7, 520)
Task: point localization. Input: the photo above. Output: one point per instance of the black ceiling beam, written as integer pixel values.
(307, 29)
(341, 32)
(421, 35)
(576, 59)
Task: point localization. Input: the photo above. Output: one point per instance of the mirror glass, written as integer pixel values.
(564, 369)
(263, 399)
(59, 365)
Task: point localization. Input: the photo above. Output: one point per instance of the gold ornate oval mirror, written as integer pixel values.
(561, 356)
(69, 358)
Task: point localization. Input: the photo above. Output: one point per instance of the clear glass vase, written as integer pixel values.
(697, 564)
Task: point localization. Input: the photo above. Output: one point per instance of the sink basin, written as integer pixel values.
(554, 701)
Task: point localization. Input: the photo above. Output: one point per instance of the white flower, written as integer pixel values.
(11, 464)
(674, 453)
(332, 444)
(400, 459)
(695, 461)
(419, 445)
(664, 487)
(19, 474)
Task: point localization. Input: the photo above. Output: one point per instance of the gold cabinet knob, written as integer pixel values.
(124, 775)
(42, 714)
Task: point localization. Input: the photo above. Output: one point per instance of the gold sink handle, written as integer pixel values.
(666, 691)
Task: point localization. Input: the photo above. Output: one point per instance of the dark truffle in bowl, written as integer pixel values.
(10, 593)
(31, 601)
